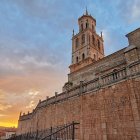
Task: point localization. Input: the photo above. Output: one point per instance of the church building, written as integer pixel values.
(102, 94)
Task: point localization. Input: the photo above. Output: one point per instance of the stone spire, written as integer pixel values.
(101, 34)
(86, 11)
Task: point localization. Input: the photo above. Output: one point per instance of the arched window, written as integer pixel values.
(83, 56)
(82, 27)
(86, 25)
(93, 39)
(77, 59)
(77, 42)
(83, 38)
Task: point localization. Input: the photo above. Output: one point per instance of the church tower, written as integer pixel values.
(87, 45)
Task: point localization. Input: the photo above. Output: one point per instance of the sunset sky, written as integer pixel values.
(35, 45)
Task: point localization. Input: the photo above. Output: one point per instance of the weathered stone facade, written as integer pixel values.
(103, 96)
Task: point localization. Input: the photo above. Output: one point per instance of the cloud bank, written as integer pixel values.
(35, 45)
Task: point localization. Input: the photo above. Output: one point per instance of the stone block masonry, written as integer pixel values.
(102, 93)
(108, 113)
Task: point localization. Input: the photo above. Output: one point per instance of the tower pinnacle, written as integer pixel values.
(86, 11)
(73, 32)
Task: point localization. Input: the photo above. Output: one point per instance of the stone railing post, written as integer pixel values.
(56, 93)
(99, 82)
(81, 88)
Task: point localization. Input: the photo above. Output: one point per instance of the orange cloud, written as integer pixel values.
(22, 93)
(7, 124)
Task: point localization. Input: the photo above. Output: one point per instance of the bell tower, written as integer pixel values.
(87, 45)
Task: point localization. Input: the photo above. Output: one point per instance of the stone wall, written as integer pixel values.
(107, 104)
(107, 64)
(112, 112)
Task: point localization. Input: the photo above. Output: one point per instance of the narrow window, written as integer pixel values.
(77, 59)
(83, 38)
(87, 25)
(83, 56)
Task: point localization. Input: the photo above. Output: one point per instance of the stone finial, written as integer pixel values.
(73, 33)
(39, 100)
(101, 34)
(28, 112)
(47, 97)
(86, 11)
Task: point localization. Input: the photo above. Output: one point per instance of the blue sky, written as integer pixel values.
(35, 44)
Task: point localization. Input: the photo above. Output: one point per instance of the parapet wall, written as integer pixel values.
(134, 37)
